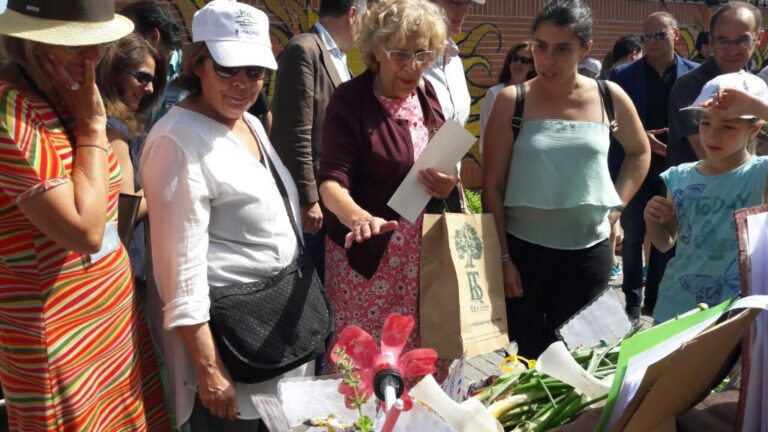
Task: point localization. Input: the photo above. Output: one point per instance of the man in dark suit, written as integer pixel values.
(648, 82)
(310, 68)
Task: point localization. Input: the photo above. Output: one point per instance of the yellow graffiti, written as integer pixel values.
(469, 43)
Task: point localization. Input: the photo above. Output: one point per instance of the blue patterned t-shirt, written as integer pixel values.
(705, 268)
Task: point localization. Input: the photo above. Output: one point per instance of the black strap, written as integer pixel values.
(280, 187)
(606, 101)
(517, 118)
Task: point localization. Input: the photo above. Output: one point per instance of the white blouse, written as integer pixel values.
(216, 218)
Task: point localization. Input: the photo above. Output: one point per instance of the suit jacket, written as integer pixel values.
(631, 77)
(306, 79)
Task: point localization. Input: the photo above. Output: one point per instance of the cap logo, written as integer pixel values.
(245, 23)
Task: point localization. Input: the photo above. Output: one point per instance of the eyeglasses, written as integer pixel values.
(142, 77)
(254, 73)
(745, 42)
(659, 35)
(421, 57)
(522, 59)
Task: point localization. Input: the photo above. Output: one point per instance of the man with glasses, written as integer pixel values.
(447, 72)
(648, 82)
(734, 31)
(311, 67)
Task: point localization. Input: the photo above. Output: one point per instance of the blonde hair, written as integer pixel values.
(391, 23)
(22, 52)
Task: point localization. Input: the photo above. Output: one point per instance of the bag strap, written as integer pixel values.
(517, 118)
(280, 187)
(606, 101)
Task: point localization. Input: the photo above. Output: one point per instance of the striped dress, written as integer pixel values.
(75, 354)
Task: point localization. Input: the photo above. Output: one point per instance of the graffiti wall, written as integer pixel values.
(488, 32)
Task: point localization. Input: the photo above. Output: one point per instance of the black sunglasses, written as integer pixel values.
(521, 59)
(254, 73)
(659, 35)
(143, 78)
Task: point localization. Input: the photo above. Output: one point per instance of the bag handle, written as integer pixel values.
(280, 187)
(517, 118)
(606, 102)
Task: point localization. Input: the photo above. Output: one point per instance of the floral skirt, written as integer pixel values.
(394, 288)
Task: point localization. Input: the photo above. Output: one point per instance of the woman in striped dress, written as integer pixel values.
(74, 350)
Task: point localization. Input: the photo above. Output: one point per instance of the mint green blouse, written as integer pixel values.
(559, 190)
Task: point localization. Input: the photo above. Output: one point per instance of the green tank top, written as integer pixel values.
(559, 190)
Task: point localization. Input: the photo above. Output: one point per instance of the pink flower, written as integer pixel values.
(369, 359)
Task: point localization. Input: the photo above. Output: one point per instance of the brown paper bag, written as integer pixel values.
(461, 304)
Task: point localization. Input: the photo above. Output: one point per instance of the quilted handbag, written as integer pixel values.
(265, 328)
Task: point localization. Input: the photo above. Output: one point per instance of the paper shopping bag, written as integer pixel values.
(461, 303)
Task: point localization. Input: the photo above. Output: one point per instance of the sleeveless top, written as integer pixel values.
(559, 190)
(705, 268)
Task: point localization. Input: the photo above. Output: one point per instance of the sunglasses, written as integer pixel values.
(659, 35)
(254, 73)
(143, 78)
(521, 59)
(421, 57)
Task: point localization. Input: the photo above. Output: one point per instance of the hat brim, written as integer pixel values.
(67, 33)
(235, 53)
(479, 1)
(702, 109)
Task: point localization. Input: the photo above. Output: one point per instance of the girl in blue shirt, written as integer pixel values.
(697, 213)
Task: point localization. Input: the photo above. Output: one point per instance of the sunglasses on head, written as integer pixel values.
(659, 35)
(254, 73)
(143, 78)
(522, 59)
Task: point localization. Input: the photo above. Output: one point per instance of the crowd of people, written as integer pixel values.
(100, 106)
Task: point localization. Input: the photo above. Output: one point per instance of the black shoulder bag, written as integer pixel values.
(263, 329)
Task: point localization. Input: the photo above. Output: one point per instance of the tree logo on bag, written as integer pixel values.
(470, 247)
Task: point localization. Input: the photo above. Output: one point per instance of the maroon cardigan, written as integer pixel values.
(369, 153)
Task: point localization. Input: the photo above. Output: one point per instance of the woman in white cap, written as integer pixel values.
(74, 352)
(217, 217)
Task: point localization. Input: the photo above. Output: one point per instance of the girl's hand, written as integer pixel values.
(513, 288)
(439, 185)
(366, 226)
(733, 103)
(659, 210)
(82, 99)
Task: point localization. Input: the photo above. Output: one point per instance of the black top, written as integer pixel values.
(659, 87)
(685, 123)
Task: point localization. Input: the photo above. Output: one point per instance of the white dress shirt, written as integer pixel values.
(338, 56)
(485, 111)
(447, 77)
(216, 218)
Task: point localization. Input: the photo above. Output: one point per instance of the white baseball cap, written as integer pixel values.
(741, 80)
(236, 34)
(591, 64)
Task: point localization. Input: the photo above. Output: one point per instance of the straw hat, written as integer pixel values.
(64, 22)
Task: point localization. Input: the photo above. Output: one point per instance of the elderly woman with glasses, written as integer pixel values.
(376, 126)
(217, 215)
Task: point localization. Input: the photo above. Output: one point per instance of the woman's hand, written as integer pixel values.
(366, 226)
(83, 100)
(513, 288)
(659, 210)
(217, 391)
(439, 185)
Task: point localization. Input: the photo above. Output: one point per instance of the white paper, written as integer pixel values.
(3, 5)
(442, 153)
(271, 412)
(638, 365)
(469, 416)
(757, 387)
(453, 385)
(305, 398)
(603, 320)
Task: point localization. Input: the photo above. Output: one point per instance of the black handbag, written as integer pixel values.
(263, 329)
